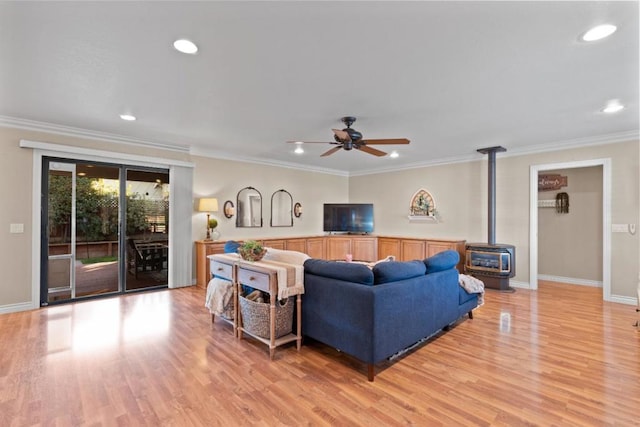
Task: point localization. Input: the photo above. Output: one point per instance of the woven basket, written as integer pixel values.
(255, 317)
(250, 255)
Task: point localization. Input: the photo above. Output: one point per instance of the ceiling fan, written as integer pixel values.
(347, 139)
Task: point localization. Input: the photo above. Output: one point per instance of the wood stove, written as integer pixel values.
(493, 263)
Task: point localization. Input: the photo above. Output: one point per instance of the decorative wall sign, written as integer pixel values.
(552, 182)
(422, 207)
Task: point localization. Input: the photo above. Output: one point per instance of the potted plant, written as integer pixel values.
(213, 223)
(251, 251)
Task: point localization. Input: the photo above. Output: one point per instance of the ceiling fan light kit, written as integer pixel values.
(348, 139)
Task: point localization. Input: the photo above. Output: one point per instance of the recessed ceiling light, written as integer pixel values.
(599, 32)
(613, 106)
(185, 46)
(127, 117)
(394, 154)
(299, 150)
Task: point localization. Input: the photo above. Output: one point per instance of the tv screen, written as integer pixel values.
(348, 217)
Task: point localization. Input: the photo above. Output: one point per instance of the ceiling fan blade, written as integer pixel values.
(330, 152)
(370, 150)
(386, 141)
(312, 142)
(342, 135)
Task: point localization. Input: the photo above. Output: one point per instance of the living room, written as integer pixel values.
(458, 185)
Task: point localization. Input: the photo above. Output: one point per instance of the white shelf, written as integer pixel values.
(422, 218)
(550, 203)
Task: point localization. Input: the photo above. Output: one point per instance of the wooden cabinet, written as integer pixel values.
(274, 243)
(436, 246)
(338, 247)
(388, 246)
(364, 248)
(316, 247)
(411, 249)
(203, 249)
(299, 245)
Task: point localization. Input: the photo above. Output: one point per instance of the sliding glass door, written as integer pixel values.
(88, 246)
(147, 228)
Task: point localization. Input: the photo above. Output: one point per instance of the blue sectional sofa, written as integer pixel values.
(374, 313)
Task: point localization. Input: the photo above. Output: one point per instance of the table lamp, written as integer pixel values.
(208, 205)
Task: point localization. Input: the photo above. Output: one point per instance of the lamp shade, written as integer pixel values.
(208, 205)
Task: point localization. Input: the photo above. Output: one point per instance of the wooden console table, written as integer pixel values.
(262, 276)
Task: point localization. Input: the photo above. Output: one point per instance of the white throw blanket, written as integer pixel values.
(473, 286)
(219, 298)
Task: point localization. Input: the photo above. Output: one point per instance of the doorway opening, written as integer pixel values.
(535, 170)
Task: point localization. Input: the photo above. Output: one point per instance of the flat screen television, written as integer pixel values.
(348, 218)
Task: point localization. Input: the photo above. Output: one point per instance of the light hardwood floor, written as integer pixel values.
(558, 356)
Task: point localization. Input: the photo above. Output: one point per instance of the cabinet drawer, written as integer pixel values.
(254, 279)
(220, 269)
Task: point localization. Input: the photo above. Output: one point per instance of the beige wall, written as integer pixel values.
(16, 172)
(460, 192)
(223, 179)
(570, 244)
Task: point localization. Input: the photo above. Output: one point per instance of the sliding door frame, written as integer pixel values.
(180, 234)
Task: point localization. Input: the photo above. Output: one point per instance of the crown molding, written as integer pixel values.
(26, 124)
(223, 155)
(32, 125)
(533, 149)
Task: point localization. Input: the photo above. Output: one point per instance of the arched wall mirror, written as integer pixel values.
(281, 209)
(249, 208)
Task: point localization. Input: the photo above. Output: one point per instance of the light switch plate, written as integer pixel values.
(16, 228)
(619, 228)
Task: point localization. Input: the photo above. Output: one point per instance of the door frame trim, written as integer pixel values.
(46, 149)
(606, 218)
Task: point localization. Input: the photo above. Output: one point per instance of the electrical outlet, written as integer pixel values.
(16, 228)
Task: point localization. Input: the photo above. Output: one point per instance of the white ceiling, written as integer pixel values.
(450, 76)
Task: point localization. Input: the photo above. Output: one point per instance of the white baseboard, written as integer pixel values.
(12, 308)
(570, 280)
(518, 284)
(620, 299)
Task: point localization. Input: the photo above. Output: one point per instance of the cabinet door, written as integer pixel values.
(315, 248)
(434, 247)
(413, 249)
(364, 248)
(299, 245)
(275, 244)
(338, 247)
(204, 248)
(388, 246)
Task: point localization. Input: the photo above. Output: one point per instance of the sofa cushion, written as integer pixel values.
(442, 261)
(347, 271)
(392, 271)
(231, 247)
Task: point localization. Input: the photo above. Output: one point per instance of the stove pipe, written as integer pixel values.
(491, 151)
